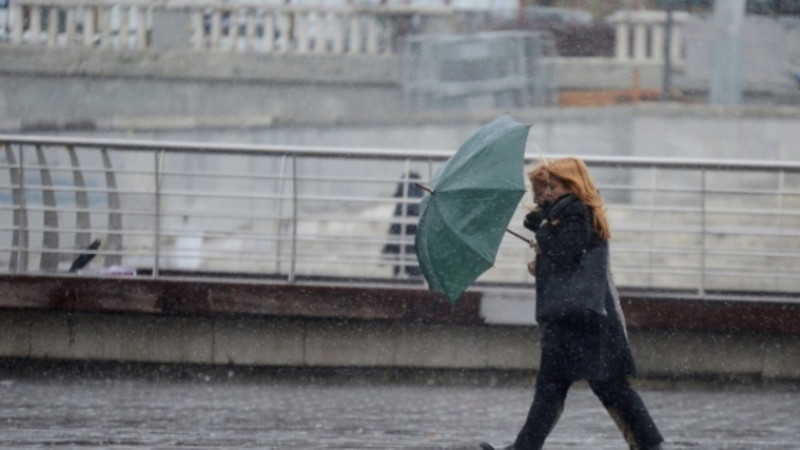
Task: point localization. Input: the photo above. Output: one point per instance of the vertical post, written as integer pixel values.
(233, 30)
(157, 185)
(639, 41)
(250, 29)
(372, 34)
(279, 230)
(216, 25)
(302, 32)
(622, 40)
(676, 43)
(88, 26)
(388, 32)
(141, 27)
(321, 39)
(293, 262)
(36, 24)
(781, 193)
(704, 242)
(269, 31)
(653, 187)
(124, 27)
(666, 93)
(17, 23)
(403, 217)
(52, 27)
(198, 30)
(19, 240)
(22, 243)
(49, 255)
(337, 25)
(70, 26)
(355, 35)
(114, 213)
(105, 26)
(286, 30)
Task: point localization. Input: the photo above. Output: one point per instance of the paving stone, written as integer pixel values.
(132, 413)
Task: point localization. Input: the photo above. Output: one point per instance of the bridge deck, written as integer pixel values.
(377, 300)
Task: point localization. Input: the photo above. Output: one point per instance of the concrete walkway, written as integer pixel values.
(71, 412)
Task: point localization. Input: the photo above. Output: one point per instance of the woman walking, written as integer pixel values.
(577, 307)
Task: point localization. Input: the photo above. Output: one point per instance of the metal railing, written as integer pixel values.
(298, 214)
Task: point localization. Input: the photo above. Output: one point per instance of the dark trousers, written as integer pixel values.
(622, 402)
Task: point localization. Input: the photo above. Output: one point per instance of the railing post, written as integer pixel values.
(281, 222)
(337, 37)
(321, 38)
(250, 29)
(36, 24)
(301, 22)
(141, 27)
(653, 187)
(233, 30)
(18, 260)
(293, 262)
(157, 185)
(354, 46)
(704, 244)
(781, 193)
(16, 24)
(268, 20)
(88, 26)
(403, 216)
(372, 35)
(52, 27)
(124, 27)
(70, 26)
(105, 27)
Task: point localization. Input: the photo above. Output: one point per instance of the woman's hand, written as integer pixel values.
(532, 267)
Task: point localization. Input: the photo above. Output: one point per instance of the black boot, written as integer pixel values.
(487, 446)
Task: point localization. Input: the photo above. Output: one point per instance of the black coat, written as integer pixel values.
(586, 345)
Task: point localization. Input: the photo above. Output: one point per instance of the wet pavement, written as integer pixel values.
(69, 412)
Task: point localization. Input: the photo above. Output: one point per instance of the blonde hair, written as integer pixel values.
(538, 178)
(575, 175)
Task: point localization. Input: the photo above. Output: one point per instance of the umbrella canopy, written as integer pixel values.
(473, 196)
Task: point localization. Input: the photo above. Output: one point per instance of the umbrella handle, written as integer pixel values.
(424, 188)
(527, 241)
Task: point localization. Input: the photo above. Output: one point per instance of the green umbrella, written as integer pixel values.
(472, 198)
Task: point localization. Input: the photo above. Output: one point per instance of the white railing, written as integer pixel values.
(289, 214)
(219, 25)
(641, 36)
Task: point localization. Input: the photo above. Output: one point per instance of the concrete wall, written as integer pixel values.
(270, 341)
(262, 341)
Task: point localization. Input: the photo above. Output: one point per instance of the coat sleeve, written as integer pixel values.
(534, 219)
(563, 239)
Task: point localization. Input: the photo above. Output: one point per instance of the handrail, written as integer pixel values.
(383, 153)
(296, 213)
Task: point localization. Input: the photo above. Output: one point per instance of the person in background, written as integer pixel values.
(406, 190)
(579, 345)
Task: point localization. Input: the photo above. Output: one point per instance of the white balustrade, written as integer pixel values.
(214, 25)
(640, 36)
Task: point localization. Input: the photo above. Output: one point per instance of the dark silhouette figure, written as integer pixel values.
(410, 211)
(85, 258)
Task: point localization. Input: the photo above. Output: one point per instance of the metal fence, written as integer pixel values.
(310, 214)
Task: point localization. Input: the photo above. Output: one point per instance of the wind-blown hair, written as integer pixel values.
(575, 175)
(538, 178)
